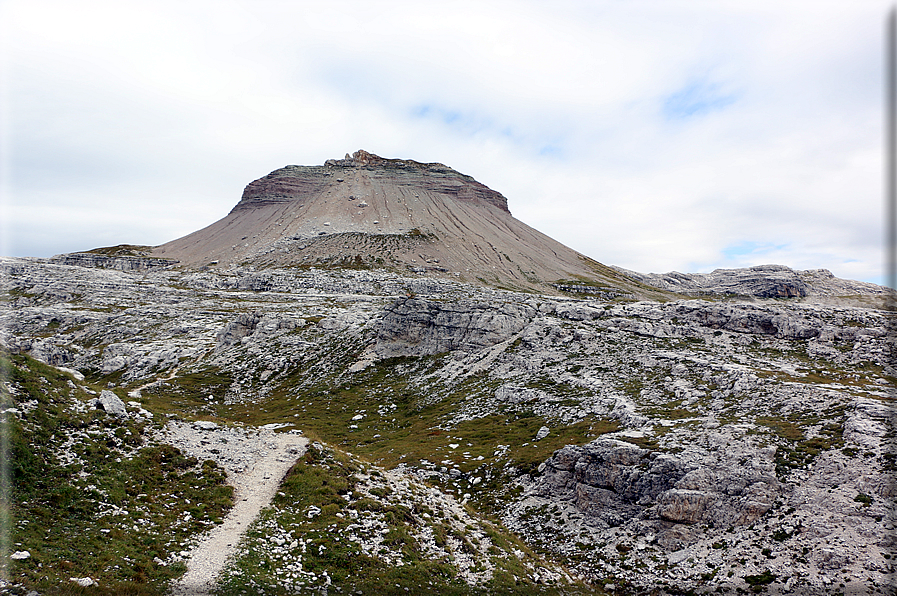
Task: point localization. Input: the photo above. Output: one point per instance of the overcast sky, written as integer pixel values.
(656, 136)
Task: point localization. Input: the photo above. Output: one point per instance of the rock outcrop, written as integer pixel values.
(613, 482)
(417, 327)
(245, 324)
(119, 263)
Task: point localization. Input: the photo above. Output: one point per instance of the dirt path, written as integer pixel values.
(256, 464)
(135, 393)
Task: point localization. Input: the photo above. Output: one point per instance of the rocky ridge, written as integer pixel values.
(760, 281)
(120, 263)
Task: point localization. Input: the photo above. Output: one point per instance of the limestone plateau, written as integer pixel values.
(486, 410)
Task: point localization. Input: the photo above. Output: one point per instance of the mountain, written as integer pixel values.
(375, 428)
(365, 211)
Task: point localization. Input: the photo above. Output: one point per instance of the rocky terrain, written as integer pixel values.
(639, 444)
(723, 433)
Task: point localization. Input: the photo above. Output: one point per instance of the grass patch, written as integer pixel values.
(670, 411)
(379, 415)
(798, 451)
(188, 393)
(113, 507)
(122, 250)
(643, 442)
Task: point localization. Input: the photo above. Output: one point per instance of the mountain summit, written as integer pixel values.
(366, 211)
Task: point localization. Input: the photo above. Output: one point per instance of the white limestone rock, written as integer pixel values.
(112, 404)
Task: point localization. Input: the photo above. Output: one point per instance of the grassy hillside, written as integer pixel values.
(91, 496)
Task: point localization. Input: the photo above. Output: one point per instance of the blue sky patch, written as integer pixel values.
(696, 99)
(453, 118)
(471, 123)
(747, 247)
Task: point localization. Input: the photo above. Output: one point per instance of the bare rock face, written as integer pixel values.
(288, 184)
(748, 319)
(237, 329)
(613, 481)
(299, 183)
(119, 263)
(416, 327)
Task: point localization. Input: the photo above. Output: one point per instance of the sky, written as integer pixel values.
(656, 136)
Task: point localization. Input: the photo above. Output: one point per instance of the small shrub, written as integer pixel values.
(763, 579)
(863, 498)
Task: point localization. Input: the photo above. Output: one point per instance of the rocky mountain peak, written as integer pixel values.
(371, 212)
(302, 183)
(404, 216)
(362, 158)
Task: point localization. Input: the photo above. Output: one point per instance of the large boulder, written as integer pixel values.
(111, 404)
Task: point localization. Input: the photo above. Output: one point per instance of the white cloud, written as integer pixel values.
(654, 136)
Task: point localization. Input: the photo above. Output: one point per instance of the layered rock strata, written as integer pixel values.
(119, 263)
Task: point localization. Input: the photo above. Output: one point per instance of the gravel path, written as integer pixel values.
(256, 461)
